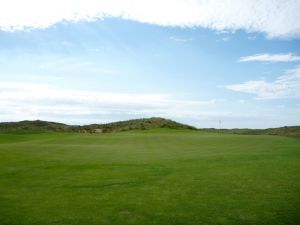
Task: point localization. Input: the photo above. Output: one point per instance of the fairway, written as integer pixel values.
(159, 176)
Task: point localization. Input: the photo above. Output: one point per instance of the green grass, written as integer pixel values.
(150, 177)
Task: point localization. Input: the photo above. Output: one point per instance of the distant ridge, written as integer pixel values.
(135, 124)
(138, 124)
(290, 131)
(33, 125)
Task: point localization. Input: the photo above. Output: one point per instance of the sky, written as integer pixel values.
(194, 61)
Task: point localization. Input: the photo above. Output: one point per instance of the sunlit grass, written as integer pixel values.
(151, 177)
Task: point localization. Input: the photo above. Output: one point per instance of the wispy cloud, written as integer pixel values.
(271, 58)
(286, 86)
(180, 39)
(252, 38)
(276, 18)
(20, 101)
(225, 39)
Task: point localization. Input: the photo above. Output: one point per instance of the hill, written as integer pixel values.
(36, 125)
(290, 131)
(137, 124)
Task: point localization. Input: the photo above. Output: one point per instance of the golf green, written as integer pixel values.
(149, 177)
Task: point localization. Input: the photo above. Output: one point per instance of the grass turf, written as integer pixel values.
(150, 177)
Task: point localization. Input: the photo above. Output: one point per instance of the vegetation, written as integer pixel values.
(137, 124)
(159, 176)
(37, 125)
(289, 131)
(140, 124)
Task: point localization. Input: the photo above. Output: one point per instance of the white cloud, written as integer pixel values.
(180, 39)
(19, 101)
(286, 86)
(225, 39)
(271, 58)
(252, 38)
(276, 18)
(31, 101)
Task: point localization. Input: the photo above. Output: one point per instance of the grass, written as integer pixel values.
(127, 125)
(149, 177)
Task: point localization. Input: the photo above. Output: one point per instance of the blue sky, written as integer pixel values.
(116, 67)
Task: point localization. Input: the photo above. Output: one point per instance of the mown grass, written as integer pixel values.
(151, 177)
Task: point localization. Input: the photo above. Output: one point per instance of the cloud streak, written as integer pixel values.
(31, 101)
(180, 39)
(275, 18)
(286, 86)
(19, 101)
(270, 58)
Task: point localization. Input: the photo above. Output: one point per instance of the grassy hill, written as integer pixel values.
(137, 124)
(289, 131)
(36, 125)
